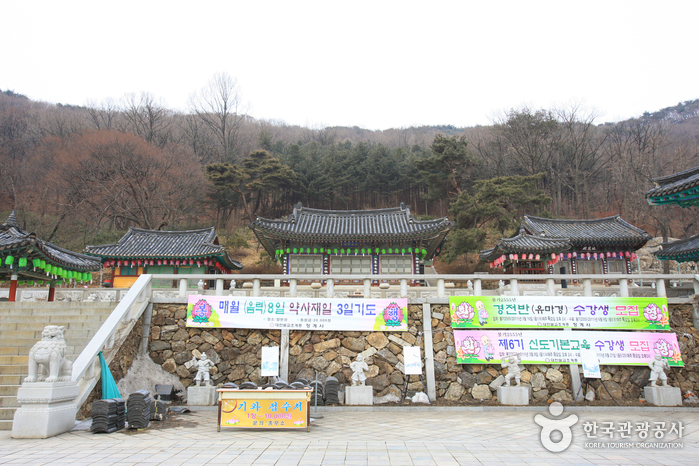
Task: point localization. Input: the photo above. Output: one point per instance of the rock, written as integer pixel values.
(330, 355)
(228, 336)
(614, 390)
(182, 357)
(345, 352)
(562, 396)
(182, 372)
(538, 381)
(497, 382)
(409, 338)
(318, 363)
(210, 339)
(440, 368)
(526, 376)
(181, 335)
(554, 375)
(354, 344)
(606, 376)
(333, 368)
(379, 382)
(169, 329)
(388, 356)
(255, 339)
(159, 345)
(590, 395)
(483, 377)
(384, 367)
(397, 340)
(454, 392)
(169, 366)
(467, 380)
(481, 392)
(213, 355)
(326, 345)
(295, 350)
(367, 353)
(377, 339)
(540, 395)
(372, 372)
(640, 376)
(397, 378)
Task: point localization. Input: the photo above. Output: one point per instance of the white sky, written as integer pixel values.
(374, 64)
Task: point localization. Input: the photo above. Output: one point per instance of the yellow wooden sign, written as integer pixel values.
(264, 410)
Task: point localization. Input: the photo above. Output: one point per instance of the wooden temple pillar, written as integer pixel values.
(52, 292)
(13, 288)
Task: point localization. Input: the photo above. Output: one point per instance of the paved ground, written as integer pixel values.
(404, 436)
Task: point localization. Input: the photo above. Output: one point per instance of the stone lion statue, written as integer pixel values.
(50, 353)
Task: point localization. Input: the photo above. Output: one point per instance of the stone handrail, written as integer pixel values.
(110, 336)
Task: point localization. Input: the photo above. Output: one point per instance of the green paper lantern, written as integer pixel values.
(296, 250)
(322, 250)
(402, 251)
(315, 250)
(363, 251)
(390, 250)
(335, 250)
(36, 262)
(22, 262)
(89, 277)
(342, 251)
(383, 251)
(54, 270)
(410, 250)
(288, 250)
(9, 260)
(377, 250)
(356, 251)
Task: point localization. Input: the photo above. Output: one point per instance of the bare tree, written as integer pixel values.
(104, 115)
(218, 106)
(147, 118)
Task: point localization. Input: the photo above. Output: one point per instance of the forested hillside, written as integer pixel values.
(83, 175)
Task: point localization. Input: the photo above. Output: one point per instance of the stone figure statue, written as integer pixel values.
(657, 370)
(513, 371)
(469, 285)
(50, 353)
(200, 285)
(232, 285)
(203, 366)
(358, 367)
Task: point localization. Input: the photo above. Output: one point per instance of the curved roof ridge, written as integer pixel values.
(676, 176)
(565, 220)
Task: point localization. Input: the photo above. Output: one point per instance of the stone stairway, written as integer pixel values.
(21, 325)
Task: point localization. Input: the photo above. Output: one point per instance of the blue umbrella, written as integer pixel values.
(109, 387)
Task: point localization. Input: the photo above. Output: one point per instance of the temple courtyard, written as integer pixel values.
(386, 436)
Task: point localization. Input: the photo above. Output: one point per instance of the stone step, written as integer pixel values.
(36, 334)
(12, 379)
(9, 390)
(14, 359)
(5, 425)
(28, 312)
(7, 414)
(88, 324)
(18, 369)
(9, 401)
(25, 344)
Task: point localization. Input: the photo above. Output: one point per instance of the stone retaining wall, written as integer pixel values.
(237, 353)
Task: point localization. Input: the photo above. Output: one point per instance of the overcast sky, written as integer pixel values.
(374, 64)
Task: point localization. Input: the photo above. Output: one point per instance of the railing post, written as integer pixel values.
(330, 288)
(284, 355)
(513, 287)
(293, 288)
(429, 351)
(403, 288)
(219, 287)
(623, 287)
(550, 287)
(660, 288)
(587, 287)
(367, 288)
(477, 287)
(440, 288)
(183, 288)
(696, 284)
(256, 287)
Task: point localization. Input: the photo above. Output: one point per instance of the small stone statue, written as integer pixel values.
(501, 284)
(232, 286)
(512, 365)
(469, 285)
(358, 367)
(49, 353)
(200, 285)
(657, 370)
(203, 366)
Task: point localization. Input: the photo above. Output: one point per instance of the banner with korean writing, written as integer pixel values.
(560, 346)
(298, 313)
(264, 413)
(559, 312)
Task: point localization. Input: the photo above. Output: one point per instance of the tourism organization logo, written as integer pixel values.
(549, 426)
(608, 435)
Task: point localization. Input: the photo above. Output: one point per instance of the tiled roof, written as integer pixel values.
(141, 244)
(526, 243)
(325, 226)
(674, 183)
(601, 232)
(682, 251)
(15, 241)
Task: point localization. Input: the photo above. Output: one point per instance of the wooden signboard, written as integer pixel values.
(264, 409)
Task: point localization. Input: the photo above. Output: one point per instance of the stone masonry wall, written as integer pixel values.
(237, 352)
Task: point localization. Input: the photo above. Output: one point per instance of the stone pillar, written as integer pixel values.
(256, 287)
(367, 288)
(513, 287)
(623, 287)
(293, 288)
(330, 288)
(477, 287)
(219, 287)
(440, 288)
(47, 409)
(550, 287)
(13, 288)
(403, 288)
(429, 351)
(574, 374)
(284, 356)
(587, 287)
(183, 288)
(660, 288)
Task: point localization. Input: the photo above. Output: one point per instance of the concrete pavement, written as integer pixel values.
(383, 436)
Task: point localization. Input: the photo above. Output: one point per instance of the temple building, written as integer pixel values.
(680, 188)
(363, 242)
(163, 252)
(26, 259)
(542, 245)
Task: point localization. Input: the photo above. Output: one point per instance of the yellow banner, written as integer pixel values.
(266, 413)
